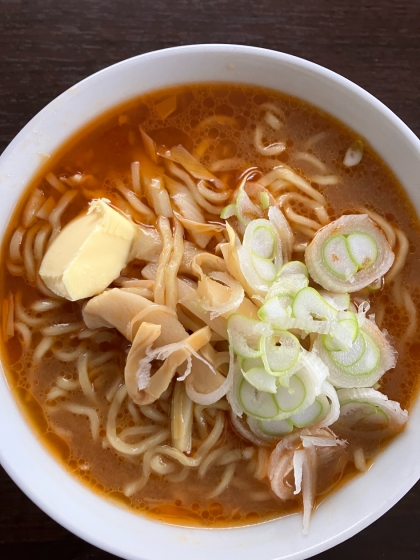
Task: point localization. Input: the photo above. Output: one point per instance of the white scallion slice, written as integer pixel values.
(250, 270)
(280, 352)
(249, 363)
(310, 414)
(244, 335)
(352, 355)
(264, 248)
(309, 304)
(332, 411)
(287, 285)
(342, 335)
(275, 309)
(262, 242)
(258, 404)
(364, 415)
(254, 372)
(291, 268)
(277, 312)
(283, 232)
(365, 409)
(284, 427)
(264, 200)
(261, 380)
(260, 238)
(330, 263)
(341, 302)
(369, 360)
(314, 374)
(228, 211)
(265, 268)
(362, 249)
(354, 154)
(337, 258)
(378, 357)
(301, 389)
(291, 398)
(275, 427)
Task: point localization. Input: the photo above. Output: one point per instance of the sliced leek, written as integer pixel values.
(308, 303)
(260, 256)
(244, 335)
(255, 373)
(348, 254)
(243, 207)
(277, 428)
(337, 259)
(364, 363)
(258, 404)
(291, 399)
(279, 385)
(367, 409)
(310, 414)
(280, 352)
(310, 312)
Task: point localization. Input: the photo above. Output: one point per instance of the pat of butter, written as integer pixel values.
(89, 253)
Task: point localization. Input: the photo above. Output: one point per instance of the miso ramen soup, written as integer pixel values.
(209, 305)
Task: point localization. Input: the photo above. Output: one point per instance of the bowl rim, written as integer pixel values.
(8, 464)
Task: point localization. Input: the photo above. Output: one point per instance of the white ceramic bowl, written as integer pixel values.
(87, 515)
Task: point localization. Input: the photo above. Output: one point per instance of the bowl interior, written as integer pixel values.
(106, 525)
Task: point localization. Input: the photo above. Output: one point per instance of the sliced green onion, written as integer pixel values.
(343, 334)
(258, 404)
(283, 231)
(264, 200)
(262, 241)
(291, 268)
(377, 358)
(362, 415)
(341, 326)
(308, 304)
(280, 352)
(275, 309)
(337, 258)
(314, 374)
(341, 302)
(364, 409)
(275, 427)
(344, 266)
(261, 248)
(265, 268)
(310, 414)
(244, 335)
(332, 409)
(287, 285)
(352, 355)
(228, 211)
(256, 284)
(362, 248)
(291, 398)
(254, 372)
(249, 363)
(369, 360)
